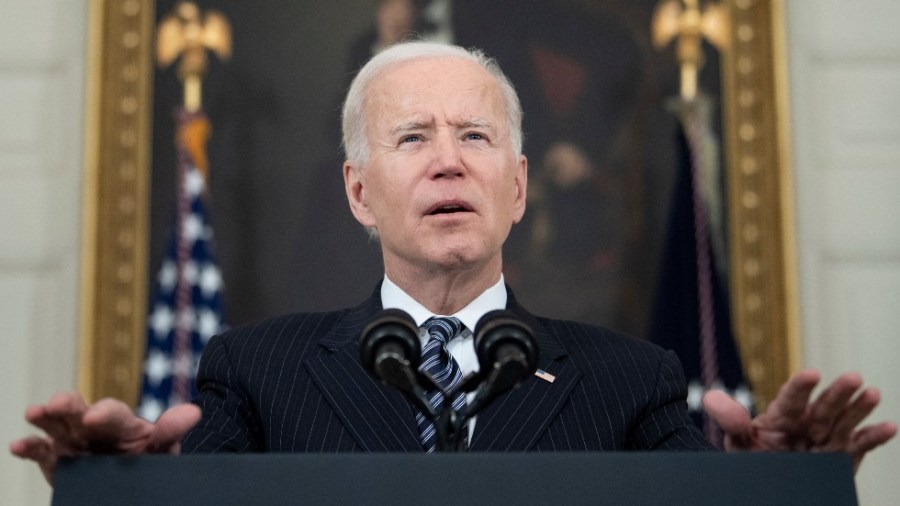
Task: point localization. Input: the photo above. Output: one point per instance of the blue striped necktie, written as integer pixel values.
(440, 365)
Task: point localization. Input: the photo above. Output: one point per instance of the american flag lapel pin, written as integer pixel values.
(544, 375)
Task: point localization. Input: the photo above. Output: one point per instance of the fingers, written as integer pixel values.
(729, 414)
(58, 411)
(171, 427)
(731, 417)
(73, 427)
(834, 405)
(787, 411)
(870, 437)
(112, 414)
(32, 448)
(108, 426)
(38, 449)
(855, 412)
(112, 427)
(60, 418)
(828, 423)
(784, 424)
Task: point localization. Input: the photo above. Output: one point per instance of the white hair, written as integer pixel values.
(353, 116)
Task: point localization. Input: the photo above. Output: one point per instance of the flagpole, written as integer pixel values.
(689, 24)
(188, 34)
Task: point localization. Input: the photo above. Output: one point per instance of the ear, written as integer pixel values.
(356, 194)
(521, 188)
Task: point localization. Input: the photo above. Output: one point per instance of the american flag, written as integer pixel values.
(544, 375)
(187, 309)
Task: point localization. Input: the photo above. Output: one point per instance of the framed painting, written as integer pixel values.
(598, 138)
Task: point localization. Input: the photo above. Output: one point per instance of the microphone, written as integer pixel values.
(389, 348)
(507, 354)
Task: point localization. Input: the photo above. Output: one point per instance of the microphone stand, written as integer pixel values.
(505, 374)
(449, 424)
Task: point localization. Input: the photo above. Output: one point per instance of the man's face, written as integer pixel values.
(442, 184)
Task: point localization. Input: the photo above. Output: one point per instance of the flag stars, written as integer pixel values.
(157, 367)
(168, 276)
(744, 396)
(193, 183)
(695, 396)
(207, 324)
(191, 228)
(210, 280)
(161, 321)
(150, 408)
(741, 394)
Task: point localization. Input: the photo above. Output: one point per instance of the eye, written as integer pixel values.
(475, 136)
(410, 138)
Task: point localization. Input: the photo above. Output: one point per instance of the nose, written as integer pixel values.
(447, 161)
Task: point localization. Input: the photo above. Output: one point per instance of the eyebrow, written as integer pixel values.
(476, 123)
(410, 126)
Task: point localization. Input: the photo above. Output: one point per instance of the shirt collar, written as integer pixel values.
(392, 296)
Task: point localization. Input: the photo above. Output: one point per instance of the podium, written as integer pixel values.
(459, 479)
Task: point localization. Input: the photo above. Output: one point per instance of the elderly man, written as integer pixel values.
(434, 169)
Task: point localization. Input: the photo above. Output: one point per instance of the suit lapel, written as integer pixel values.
(515, 421)
(378, 417)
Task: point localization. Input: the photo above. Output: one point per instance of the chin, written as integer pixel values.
(461, 258)
(451, 260)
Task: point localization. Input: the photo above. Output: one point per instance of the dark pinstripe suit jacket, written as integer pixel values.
(295, 384)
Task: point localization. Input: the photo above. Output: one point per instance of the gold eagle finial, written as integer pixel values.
(686, 21)
(187, 34)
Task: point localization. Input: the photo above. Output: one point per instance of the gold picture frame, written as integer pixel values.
(114, 281)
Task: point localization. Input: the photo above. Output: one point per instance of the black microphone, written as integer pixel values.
(507, 354)
(390, 350)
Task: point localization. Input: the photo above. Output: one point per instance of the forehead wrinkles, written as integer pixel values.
(420, 88)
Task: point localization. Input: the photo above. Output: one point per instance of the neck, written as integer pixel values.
(444, 291)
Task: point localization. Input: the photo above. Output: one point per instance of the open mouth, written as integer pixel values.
(449, 208)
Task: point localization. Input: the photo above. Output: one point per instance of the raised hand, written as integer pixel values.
(793, 422)
(73, 427)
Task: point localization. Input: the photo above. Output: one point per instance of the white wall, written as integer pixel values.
(845, 90)
(42, 61)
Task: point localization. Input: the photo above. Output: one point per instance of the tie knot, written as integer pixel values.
(443, 328)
